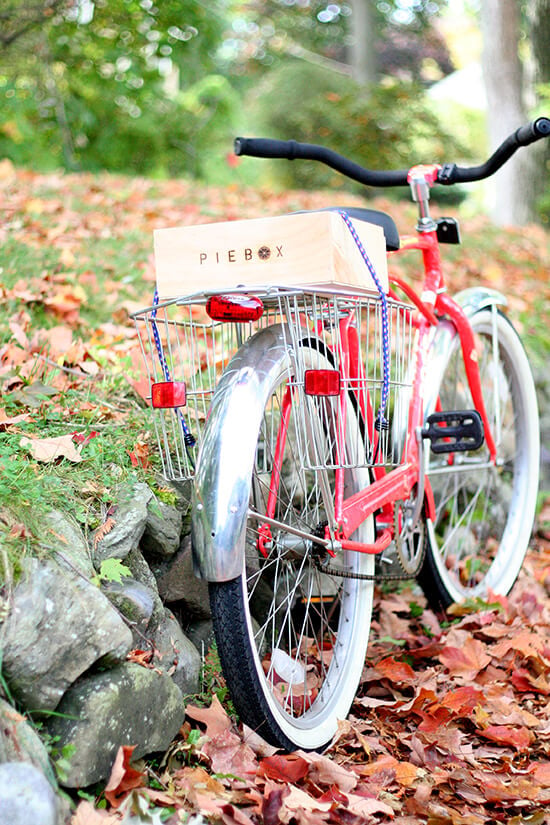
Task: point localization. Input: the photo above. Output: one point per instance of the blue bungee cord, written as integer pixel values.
(188, 437)
(381, 422)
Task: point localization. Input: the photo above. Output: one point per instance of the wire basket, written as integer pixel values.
(368, 428)
(180, 342)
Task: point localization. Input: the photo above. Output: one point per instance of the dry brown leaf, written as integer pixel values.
(50, 449)
(86, 814)
(102, 531)
(9, 420)
(228, 754)
(124, 778)
(325, 771)
(215, 718)
(465, 663)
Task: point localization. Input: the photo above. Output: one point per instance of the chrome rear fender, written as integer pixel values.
(225, 462)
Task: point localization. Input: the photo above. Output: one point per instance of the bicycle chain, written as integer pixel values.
(370, 577)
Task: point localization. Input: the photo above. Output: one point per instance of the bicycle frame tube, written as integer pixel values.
(399, 484)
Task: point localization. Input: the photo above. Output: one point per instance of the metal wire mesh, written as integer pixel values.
(319, 322)
(196, 350)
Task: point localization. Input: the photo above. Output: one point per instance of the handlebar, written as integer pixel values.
(448, 174)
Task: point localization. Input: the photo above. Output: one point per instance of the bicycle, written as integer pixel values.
(347, 439)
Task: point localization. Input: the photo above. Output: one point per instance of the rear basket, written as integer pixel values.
(181, 343)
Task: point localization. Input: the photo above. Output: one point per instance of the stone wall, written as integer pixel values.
(98, 662)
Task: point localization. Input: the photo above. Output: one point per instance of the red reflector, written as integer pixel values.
(168, 394)
(322, 382)
(234, 307)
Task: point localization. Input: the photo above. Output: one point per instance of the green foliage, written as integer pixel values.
(94, 95)
(213, 682)
(61, 759)
(111, 570)
(388, 126)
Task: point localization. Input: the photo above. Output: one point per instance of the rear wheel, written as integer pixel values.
(292, 638)
(483, 511)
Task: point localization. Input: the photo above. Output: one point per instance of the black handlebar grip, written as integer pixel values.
(531, 132)
(265, 148)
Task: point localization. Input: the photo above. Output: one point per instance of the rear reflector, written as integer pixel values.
(168, 394)
(234, 307)
(322, 382)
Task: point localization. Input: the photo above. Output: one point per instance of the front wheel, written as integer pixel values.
(292, 638)
(483, 511)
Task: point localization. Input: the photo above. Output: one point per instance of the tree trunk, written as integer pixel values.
(512, 201)
(362, 55)
(539, 27)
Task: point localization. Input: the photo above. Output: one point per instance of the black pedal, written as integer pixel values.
(448, 231)
(454, 431)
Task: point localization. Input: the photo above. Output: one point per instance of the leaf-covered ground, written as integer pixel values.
(452, 720)
(450, 726)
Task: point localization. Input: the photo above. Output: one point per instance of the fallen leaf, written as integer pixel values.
(83, 439)
(466, 662)
(214, 717)
(396, 671)
(541, 772)
(139, 456)
(364, 806)
(405, 772)
(257, 743)
(124, 778)
(229, 755)
(102, 531)
(86, 814)
(325, 771)
(284, 767)
(518, 738)
(33, 395)
(526, 642)
(10, 420)
(525, 682)
(298, 800)
(50, 449)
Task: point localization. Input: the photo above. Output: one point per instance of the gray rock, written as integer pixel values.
(58, 626)
(128, 705)
(177, 655)
(26, 797)
(19, 742)
(201, 633)
(142, 573)
(162, 533)
(183, 491)
(134, 600)
(130, 518)
(177, 583)
(68, 542)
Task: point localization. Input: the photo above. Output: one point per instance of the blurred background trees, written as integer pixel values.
(161, 88)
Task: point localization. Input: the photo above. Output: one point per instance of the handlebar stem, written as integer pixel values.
(420, 182)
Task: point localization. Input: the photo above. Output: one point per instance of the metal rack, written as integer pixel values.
(180, 342)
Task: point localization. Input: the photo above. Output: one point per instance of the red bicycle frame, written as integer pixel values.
(398, 484)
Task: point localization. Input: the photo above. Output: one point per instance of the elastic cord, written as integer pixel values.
(381, 421)
(188, 437)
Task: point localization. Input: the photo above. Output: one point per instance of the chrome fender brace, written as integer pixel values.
(223, 476)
